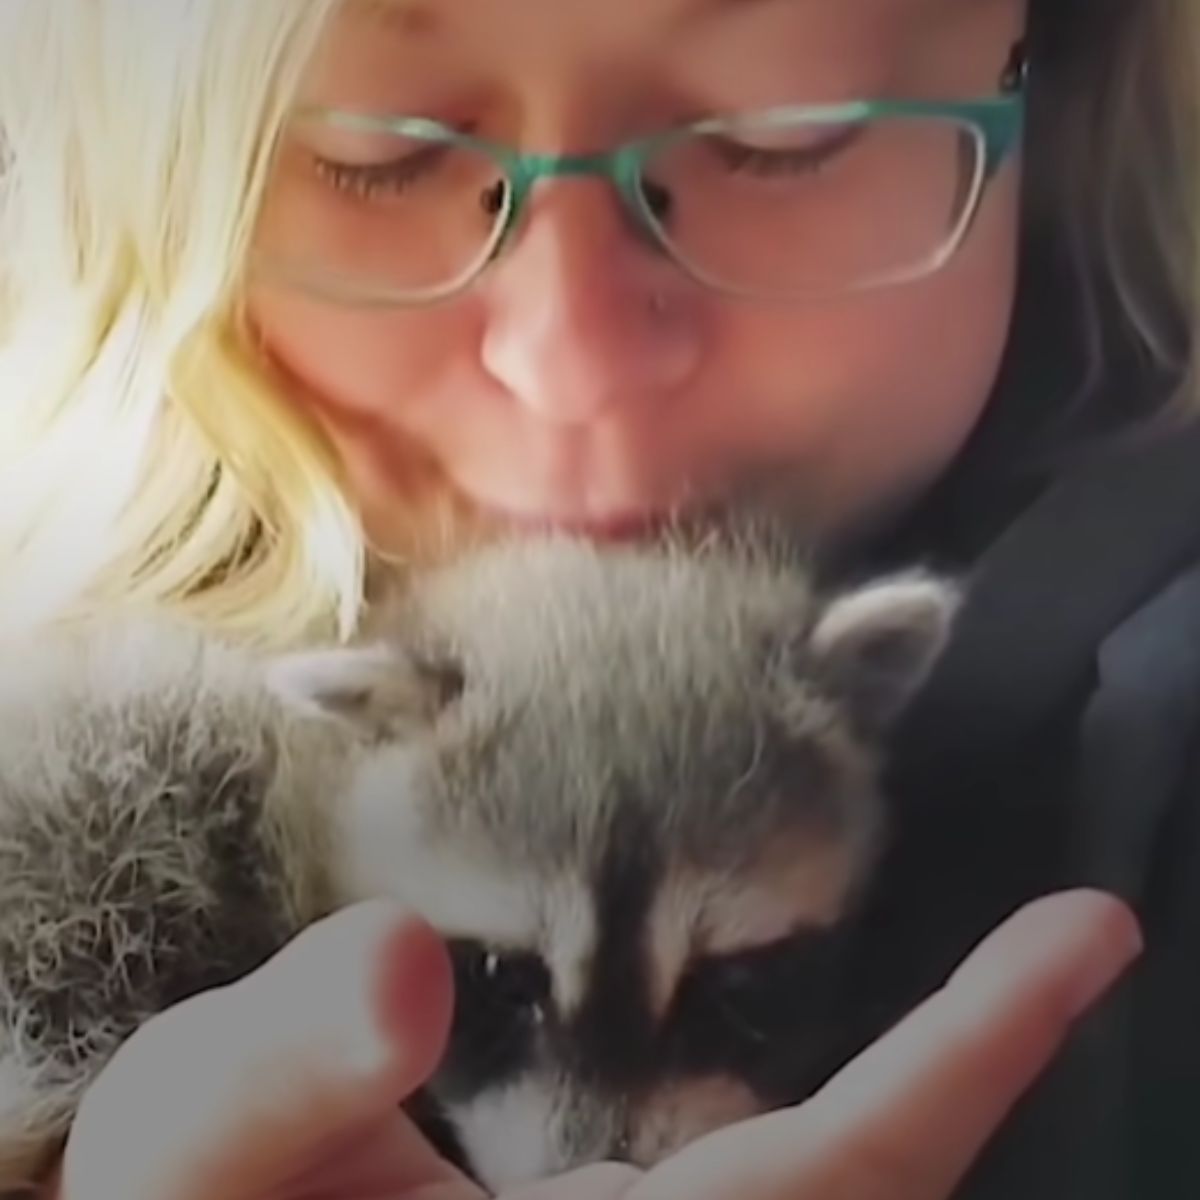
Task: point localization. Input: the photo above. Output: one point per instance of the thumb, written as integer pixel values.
(232, 1092)
(360, 1002)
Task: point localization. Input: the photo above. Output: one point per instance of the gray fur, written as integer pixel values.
(150, 799)
(172, 810)
(646, 688)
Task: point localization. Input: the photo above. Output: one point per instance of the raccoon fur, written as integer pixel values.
(635, 788)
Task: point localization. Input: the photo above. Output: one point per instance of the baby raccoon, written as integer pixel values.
(634, 787)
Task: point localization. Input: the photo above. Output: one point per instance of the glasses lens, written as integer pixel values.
(778, 205)
(358, 210)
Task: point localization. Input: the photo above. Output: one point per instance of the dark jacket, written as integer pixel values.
(1058, 744)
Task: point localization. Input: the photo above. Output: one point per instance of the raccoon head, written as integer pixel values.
(636, 790)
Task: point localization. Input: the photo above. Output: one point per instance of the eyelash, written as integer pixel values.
(367, 180)
(757, 161)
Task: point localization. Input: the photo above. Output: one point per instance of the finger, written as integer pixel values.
(930, 1095)
(601, 1181)
(220, 1094)
(906, 1119)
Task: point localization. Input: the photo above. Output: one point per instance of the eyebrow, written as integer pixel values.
(700, 9)
(411, 18)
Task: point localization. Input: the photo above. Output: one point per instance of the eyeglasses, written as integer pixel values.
(790, 203)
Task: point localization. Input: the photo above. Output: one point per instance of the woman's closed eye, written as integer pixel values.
(393, 176)
(775, 157)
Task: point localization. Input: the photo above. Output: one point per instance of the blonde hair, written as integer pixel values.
(146, 455)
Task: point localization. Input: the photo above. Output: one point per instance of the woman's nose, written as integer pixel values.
(583, 315)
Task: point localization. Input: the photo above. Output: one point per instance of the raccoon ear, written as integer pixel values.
(382, 690)
(875, 646)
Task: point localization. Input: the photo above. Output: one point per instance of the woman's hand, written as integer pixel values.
(907, 1118)
(285, 1086)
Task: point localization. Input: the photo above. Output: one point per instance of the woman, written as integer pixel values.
(277, 285)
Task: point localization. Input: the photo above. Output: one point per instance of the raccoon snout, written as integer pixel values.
(542, 1126)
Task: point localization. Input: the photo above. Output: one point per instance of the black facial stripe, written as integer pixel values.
(607, 1042)
(771, 1017)
(610, 1039)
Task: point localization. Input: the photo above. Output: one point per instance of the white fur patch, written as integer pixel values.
(509, 1135)
(305, 677)
(569, 941)
(382, 850)
(808, 889)
(671, 936)
(912, 601)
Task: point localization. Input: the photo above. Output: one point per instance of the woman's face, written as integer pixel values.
(585, 380)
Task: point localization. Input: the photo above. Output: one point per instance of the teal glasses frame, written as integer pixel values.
(996, 120)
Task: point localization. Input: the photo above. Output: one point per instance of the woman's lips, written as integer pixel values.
(614, 527)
